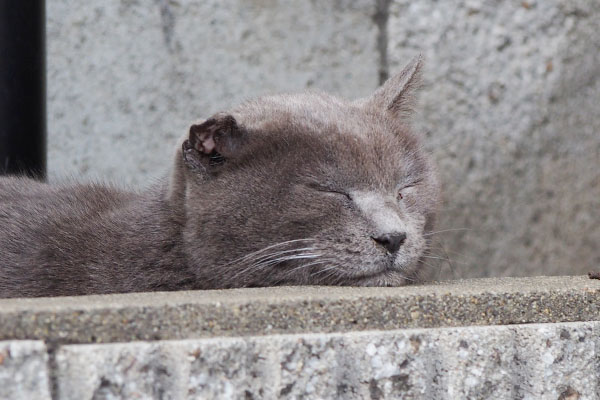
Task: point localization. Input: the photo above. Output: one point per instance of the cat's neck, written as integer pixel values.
(144, 244)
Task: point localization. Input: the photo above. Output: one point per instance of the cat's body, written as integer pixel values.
(81, 239)
(289, 189)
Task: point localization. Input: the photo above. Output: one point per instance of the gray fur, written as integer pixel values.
(281, 190)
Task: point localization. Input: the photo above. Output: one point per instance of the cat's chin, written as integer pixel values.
(389, 278)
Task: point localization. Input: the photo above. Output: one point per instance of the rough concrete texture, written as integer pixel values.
(556, 361)
(510, 107)
(23, 372)
(263, 311)
(126, 78)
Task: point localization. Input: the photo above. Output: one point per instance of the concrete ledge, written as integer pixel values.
(288, 310)
(538, 338)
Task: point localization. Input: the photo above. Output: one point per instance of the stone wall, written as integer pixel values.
(509, 105)
(510, 108)
(521, 361)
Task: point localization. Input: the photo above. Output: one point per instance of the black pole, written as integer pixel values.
(23, 87)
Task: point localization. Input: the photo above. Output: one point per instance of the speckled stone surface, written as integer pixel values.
(557, 361)
(263, 311)
(23, 370)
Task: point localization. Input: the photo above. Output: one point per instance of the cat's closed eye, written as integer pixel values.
(335, 192)
(347, 196)
(402, 192)
(328, 190)
(399, 195)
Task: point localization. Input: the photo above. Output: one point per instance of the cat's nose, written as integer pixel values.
(391, 241)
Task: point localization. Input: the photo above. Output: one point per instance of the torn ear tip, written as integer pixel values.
(230, 119)
(194, 128)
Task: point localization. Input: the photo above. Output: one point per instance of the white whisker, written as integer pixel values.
(303, 266)
(325, 270)
(258, 252)
(446, 230)
(266, 262)
(436, 258)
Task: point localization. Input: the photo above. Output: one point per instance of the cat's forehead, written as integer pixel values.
(323, 128)
(308, 112)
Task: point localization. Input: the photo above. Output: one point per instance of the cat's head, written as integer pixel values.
(309, 189)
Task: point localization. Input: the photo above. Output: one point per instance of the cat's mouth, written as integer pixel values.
(356, 266)
(392, 271)
(388, 277)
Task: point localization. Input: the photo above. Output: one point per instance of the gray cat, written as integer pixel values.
(302, 189)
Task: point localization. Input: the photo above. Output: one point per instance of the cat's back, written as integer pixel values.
(26, 198)
(46, 231)
(30, 209)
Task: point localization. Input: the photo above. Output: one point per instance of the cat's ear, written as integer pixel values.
(212, 142)
(397, 94)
